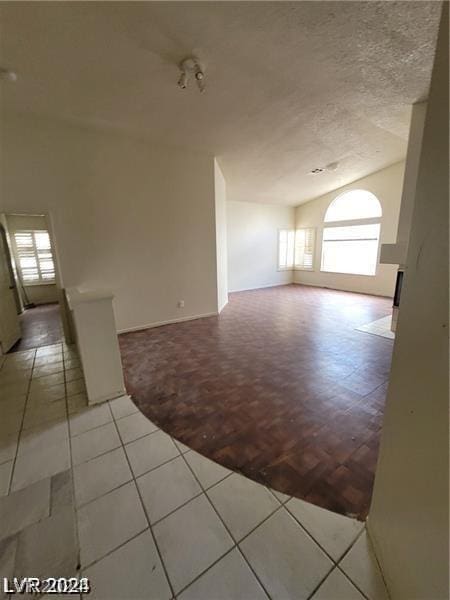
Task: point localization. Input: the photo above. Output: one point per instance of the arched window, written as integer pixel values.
(355, 204)
(351, 234)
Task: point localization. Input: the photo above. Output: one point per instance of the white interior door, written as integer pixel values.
(9, 319)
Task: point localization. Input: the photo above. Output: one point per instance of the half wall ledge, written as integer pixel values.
(94, 326)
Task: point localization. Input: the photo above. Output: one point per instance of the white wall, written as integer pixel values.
(411, 168)
(409, 516)
(387, 187)
(253, 244)
(221, 236)
(125, 216)
(395, 254)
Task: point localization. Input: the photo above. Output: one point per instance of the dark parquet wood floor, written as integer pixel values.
(280, 387)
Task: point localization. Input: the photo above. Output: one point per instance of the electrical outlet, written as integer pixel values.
(180, 303)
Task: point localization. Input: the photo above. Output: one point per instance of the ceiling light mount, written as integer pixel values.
(190, 66)
(333, 166)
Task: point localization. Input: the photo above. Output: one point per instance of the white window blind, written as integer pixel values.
(304, 248)
(286, 248)
(352, 249)
(34, 257)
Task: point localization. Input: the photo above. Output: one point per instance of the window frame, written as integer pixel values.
(352, 191)
(16, 255)
(287, 268)
(352, 223)
(298, 267)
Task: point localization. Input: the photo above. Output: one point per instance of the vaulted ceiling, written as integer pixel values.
(290, 86)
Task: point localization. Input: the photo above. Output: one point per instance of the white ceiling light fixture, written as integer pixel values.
(190, 66)
(8, 75)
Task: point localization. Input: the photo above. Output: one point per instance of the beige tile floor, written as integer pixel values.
(381, 327)
(113, 498)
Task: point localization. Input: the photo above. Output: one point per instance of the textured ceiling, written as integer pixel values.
(290, 85)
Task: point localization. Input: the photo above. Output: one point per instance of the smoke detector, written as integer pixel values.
(190, 67)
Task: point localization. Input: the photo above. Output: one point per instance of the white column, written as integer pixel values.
(395, 254)
(409, 516)
(97, 343)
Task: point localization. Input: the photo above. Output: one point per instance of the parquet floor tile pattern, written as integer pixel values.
(280, 387)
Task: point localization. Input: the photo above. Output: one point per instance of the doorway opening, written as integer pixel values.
(30, 294)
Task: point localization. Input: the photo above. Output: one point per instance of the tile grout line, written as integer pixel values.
(236, 544)
(83, 462)
(311, 595)
(109, 422)
(13, 466)
(363, 594)
(200, 575)
(78, 507)
(310, 535)
(72, 477)
(351, 545)
(372, 547)
(107, 554)
(297, 522)
(175, 509)
(172, 591)
(68, 415)
(282, 502)
(60, 370)
(335, 563)
(203, 492)
(187, 501)
(376, 560)
(341, 569)
(116, 448)
(163, 464)
(130, 414)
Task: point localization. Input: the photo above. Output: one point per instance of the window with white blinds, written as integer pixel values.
(351, 234)
(352, 249)
(304, 248)
(34, 258)
(286, 248)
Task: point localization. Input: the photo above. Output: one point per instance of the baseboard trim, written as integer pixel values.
(335, 289)
(260, 287)
(168, 322)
